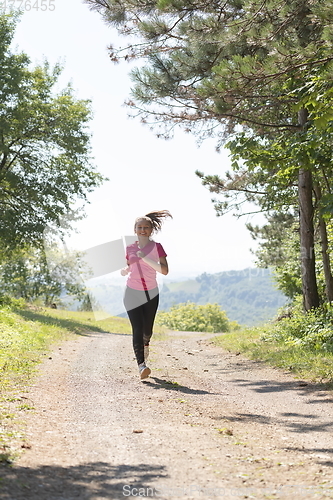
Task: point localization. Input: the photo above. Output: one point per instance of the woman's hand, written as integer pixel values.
(124, 271)
(161, 266)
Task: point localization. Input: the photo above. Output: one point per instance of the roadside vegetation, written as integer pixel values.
(27, 334)
(191, 317)
(248, 296)
(301, 344)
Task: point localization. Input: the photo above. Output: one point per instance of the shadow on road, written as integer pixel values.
(305, 423)
(84, 482)
(160, 383)
(321, 393)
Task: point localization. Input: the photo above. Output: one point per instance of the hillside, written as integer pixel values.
(248, 296)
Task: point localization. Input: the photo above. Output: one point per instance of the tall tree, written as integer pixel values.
(266, 172)
(45, 153)
(212, 67)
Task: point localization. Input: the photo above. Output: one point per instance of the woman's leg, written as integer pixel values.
(150, 309)
(141, 313)
(135, 311)
(137, 322)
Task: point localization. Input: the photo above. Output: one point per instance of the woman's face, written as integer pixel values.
(143, 228)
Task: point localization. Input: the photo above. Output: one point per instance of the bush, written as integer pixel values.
(313, 329)
(10, 302)
(191, 317)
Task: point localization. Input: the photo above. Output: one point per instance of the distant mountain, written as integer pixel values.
(249, 297)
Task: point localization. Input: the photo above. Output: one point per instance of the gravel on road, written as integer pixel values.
(207, 424)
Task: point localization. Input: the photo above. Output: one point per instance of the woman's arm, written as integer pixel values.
(161, 266)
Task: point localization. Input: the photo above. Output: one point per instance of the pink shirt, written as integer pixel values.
(142, 276)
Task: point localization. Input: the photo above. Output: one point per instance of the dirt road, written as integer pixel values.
(206, 424)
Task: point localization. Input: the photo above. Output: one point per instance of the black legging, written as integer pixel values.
(141, 308)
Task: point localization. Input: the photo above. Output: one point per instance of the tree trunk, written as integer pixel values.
(309, 281)
(306, 211)
(324, 251)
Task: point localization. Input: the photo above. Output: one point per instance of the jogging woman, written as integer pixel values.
(144, 259)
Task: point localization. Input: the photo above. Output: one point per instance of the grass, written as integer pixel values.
(26, 336)
(27, 333)
(314, 366)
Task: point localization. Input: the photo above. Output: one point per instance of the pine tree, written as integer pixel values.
(215, 67)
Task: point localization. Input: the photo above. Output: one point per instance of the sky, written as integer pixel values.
(145, 173)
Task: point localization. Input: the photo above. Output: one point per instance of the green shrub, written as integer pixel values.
(191, 317)
(10, 302)
(313, 329)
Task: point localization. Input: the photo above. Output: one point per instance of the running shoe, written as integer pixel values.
(144, 371)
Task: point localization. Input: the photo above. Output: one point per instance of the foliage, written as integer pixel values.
(86, 304)
(265, 170)
(307, 363)
(266, 173)
(248, 296)
(27, 274)
(194, 318)
(89, 302)
(279, 249)
(211, 66)
(313, 330)
(9, 302)
(45, 158)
